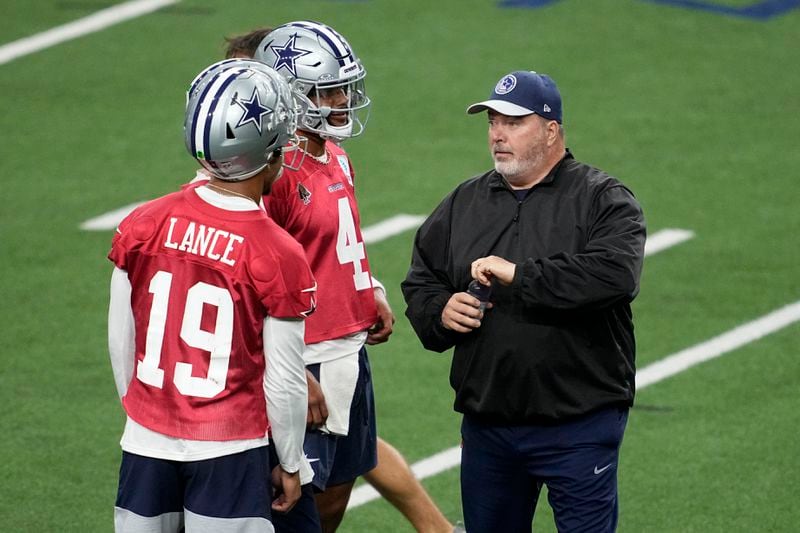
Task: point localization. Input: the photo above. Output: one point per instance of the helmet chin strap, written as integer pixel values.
(325, 129)
(334, 133)
(337, 134)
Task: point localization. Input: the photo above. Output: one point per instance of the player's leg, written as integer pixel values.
(149, 497)
(229, 494)
(497, 493)
(332, 503)
(395, 481)
(582, 481)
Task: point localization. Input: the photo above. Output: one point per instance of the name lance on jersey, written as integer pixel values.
(216, 244)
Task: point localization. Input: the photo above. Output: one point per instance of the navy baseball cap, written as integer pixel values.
(522, 93)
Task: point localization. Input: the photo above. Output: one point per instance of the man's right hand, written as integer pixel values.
(462, 313)
(287, 489)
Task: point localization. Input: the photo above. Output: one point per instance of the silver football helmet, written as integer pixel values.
(239, 112)
(326, 70)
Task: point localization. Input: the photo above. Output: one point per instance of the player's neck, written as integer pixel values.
(250, 189)
(316, 144)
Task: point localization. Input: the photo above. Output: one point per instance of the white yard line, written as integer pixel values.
(666, 238)
(110, 220)
(718, 346)
(435, 464)
(649, 375)
(390, 227)
(78, 28)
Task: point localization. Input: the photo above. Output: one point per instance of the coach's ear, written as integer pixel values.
(553, 132)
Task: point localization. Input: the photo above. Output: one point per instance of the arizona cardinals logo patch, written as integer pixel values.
(305, 194)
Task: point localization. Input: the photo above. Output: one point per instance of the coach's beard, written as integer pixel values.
(517, 167)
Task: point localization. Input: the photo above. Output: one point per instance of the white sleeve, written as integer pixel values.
(121, 331)
(286, 388)
(378, 285)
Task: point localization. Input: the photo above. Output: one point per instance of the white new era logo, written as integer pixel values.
(546, 108)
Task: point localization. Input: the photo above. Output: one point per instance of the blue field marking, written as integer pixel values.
(763, 10)
(526, 3)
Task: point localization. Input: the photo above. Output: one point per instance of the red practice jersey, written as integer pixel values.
(203, 279)
(317, 206)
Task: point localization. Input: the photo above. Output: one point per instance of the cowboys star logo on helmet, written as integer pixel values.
(287, 55)
(253, 111)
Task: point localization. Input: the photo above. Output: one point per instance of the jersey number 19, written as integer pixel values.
(218, 342)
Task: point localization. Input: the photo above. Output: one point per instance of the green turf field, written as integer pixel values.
(697, 111)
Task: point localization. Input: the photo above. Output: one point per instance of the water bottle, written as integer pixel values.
(481, 292)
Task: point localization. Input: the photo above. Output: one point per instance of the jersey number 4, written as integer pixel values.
(218, 342)
(348, 249)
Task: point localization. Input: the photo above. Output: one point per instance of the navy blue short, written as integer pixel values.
(335, 459)
(229, 493)
(504, 467)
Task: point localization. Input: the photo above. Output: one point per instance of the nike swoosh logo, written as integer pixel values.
(601, 470)
(315, 459)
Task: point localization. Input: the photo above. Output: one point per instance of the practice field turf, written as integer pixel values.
(695, 105)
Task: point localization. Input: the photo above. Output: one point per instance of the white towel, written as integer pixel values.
(338, 380)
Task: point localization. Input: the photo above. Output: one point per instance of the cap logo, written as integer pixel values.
(506, 85)
(546, 108)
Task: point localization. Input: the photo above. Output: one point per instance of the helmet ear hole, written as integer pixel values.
(229, 132)
(274, 153)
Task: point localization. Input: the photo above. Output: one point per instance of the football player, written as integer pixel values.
(206, 322)
(317, 205)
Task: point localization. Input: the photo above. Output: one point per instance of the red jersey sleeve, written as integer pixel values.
(285, 281)
(136, 227)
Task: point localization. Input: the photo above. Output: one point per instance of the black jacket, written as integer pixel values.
(559, 341)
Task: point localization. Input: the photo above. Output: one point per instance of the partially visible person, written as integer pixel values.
(244, 45)
(317, 205)
(544, 376)
(206, 321)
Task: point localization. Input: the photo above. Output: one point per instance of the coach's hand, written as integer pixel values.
(485, 269)
(462, 313)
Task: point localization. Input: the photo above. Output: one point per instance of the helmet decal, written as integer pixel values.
(201, 125)
(253, 111)
(331, 37)
(287, 55)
